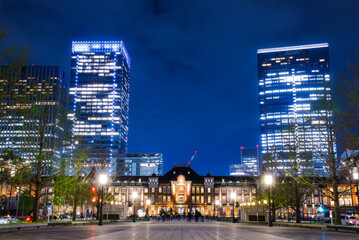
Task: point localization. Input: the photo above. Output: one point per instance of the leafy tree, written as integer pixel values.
(40, 115)
(277, 195)
(44, 135)
(62, 194)
(12, 59)
(76, 189)
(47, 164)
(73, 190)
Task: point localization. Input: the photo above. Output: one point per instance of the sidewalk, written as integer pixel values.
(323, 227)
(34, 226)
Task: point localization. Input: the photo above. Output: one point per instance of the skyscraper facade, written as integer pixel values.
(291, 82)
(249, 165)
(30, 110)
(140, 164)
(99, 86)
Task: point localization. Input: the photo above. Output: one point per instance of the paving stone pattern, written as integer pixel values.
(178, 231)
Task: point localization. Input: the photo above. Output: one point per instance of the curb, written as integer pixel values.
(35, 226)
(337, 228)
(318, 227)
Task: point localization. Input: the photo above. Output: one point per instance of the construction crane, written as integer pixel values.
(189, 162)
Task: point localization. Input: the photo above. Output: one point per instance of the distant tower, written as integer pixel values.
(99, 86)
(249, 163)
(291, 79)
(140, 164)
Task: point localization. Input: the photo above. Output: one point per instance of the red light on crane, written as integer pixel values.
(195, 152)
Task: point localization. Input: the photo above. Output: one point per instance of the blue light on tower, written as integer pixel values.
(100, 89)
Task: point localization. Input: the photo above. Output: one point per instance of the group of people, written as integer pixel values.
(197, 215)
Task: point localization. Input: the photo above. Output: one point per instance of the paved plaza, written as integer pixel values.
(177, 231)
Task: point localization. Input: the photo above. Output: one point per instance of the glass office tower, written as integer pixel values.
(291, 81)
(25, 94)
(140, 164)
(100, 74)
(249, 163)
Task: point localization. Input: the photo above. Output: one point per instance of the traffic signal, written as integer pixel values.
(93, 189)
(321, 210)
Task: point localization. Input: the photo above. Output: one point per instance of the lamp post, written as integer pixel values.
(217, 204)
(268, 180)
(148, 202)
(356, 179)
(233, 196)
(102, 181)
(134, 196)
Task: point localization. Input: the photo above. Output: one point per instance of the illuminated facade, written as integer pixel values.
(249, 163)
(183, 190)
(99, 87)
(140, 164)
(291, 80)
(25, 95)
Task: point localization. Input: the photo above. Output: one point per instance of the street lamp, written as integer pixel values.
(103, 179)
(268, 180)
(233, 196)
(356, 179)
(217, 204)
(148, 202)
(134, 196)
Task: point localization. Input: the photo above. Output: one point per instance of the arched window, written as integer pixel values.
(181, 189)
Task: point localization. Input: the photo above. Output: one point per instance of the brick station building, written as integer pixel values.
(182, 190)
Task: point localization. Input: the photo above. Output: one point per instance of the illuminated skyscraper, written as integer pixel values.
(140, 164)
(27, 94)
(249, 163)
(100, 74)
(291, 81)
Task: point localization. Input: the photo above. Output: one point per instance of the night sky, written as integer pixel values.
(194, 65)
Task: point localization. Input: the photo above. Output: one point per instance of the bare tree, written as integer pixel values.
(334, 122)
(292, 162)
(346, 97)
